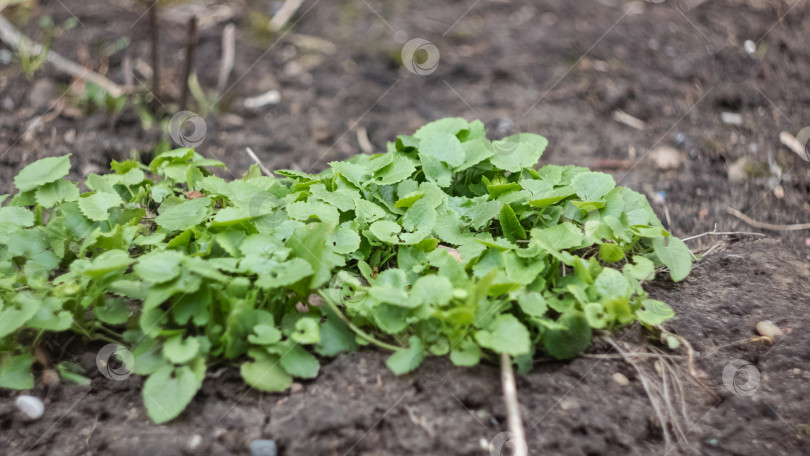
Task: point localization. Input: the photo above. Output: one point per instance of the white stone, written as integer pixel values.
(32, 407)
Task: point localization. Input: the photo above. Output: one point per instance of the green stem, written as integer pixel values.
(105, 329)
(357, 330)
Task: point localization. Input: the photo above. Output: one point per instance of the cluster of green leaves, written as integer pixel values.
(448, 243)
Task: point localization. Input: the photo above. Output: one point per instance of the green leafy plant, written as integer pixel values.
(447, 244)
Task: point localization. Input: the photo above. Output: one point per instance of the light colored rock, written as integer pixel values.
(766, 328)
(263, 448)
(195, 442)
(569, 404)
(731, 118)
(666, 158)
(30, 406)
(260, 101)
(620, 378)
(50, 377)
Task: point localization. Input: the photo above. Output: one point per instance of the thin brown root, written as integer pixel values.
(723, 233)
(767, 226)
(691, 362)
(648, 387)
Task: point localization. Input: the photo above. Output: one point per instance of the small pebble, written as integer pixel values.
(750, 47)
(666, 158)
(50, 377)
(768, 329)
(731, 118)
(260, 101)
(263, 448)
(568, 404)
(32, 407)
(195, 442)
(620, 378)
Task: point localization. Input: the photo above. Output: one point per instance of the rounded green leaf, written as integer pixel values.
(41, 172)
(571, 341)
(168, 391)
(265, 373)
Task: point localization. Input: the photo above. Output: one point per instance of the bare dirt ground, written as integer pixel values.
(561, 69)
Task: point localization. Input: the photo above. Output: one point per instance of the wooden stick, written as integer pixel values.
(153, 37)
(258, 162)
(767, 226)
(190, 46)
(363, 142)
(723, 233)
(285, 13)
(513, 419)
(15, 39)
(228, 56)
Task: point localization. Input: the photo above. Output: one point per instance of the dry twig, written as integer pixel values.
(285, 13)
(513, 419)
(255, 158)
(648, 388)
(190, 46)
(723, 233)
(767, 226)
(153, 38)
(228, 56)
(15, 39)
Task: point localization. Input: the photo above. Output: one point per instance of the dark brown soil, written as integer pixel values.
(553, 67)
